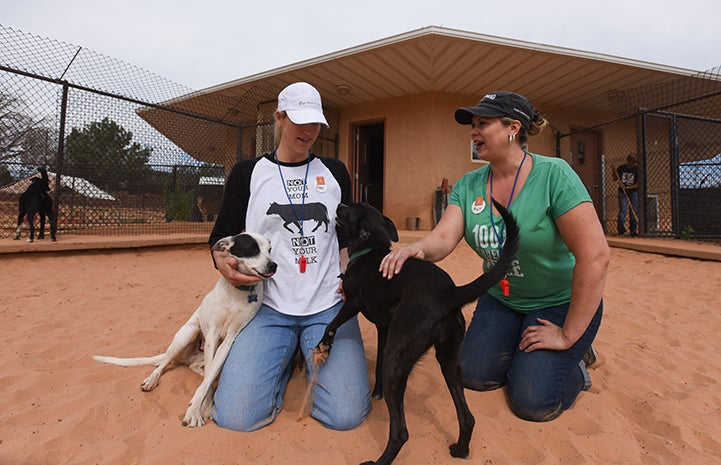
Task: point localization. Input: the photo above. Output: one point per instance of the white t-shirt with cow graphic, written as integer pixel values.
(295, 208)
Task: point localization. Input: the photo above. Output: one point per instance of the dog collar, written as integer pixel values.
(353, 256)
(359, 253)
(249, 288)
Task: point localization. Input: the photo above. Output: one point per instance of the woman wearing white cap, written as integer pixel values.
(533, 332)
(290, 196)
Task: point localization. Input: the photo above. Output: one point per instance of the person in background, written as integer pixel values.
(535, 337)
(627, 176)
(290, 196)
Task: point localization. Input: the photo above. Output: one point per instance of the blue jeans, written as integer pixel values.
(256, 373)
(623, 211)
(540, 384)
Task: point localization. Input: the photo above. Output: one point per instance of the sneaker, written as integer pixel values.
(590, 357)
(586, 376)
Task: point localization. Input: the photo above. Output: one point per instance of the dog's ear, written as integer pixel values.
(392, 231)
(224, 244)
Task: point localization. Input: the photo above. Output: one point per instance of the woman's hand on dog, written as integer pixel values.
(340, 289)
(393, 262)
(227, 265)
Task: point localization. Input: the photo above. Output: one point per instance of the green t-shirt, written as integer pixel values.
(543, 269)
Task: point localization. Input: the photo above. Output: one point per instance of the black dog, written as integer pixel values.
(417, 309)
(36, 200)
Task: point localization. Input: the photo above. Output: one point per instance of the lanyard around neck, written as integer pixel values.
(300, 218)
(510, 199)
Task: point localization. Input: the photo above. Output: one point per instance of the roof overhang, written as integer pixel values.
(436, 59)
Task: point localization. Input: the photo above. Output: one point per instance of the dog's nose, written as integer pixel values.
(272, 267)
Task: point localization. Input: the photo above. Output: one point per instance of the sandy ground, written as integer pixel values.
(655, 400)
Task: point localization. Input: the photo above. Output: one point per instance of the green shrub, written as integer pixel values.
(178, 204)
(687, 233)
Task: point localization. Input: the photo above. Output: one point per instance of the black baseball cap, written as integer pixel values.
(498, 104)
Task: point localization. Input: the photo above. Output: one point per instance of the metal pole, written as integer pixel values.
(643, 164)
(239, 145)
(60, 158)
(603, 192)
(673, 144)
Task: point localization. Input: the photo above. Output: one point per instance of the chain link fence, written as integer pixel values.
(674, 131)
(89, 120)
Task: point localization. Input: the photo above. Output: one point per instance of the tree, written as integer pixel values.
(103, 153)
(21, 136)
(40, 147)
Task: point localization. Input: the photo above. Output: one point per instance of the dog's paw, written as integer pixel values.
(150, 383)
(321, 353)
(193, 418)
(458, 451)
(193, 421)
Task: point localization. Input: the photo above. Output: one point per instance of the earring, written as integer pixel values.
(511, 138)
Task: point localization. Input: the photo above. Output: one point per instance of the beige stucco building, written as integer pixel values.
(390, 104)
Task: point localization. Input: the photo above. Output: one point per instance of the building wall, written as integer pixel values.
(423, 145)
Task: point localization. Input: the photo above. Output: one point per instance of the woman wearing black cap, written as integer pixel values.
(533, 331)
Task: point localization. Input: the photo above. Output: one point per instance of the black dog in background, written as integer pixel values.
(36, 201)
(419, 308)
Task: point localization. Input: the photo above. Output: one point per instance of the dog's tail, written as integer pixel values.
(131, 362)
(479, 286)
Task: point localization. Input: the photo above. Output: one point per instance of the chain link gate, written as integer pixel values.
(678, 148)
(682, 158)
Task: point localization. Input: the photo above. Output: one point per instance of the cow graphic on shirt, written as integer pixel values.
(311, 211)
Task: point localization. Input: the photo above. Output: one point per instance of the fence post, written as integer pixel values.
(239, 144)
(60, 158)
(673, 168)
(603, 192)
(642, 151)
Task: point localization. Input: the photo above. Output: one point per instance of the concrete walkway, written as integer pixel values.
(68, 243)
(677, 247)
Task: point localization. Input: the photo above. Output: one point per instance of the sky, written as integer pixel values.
(200, 44)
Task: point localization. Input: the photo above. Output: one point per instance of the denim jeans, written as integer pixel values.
(256, 373)
(540, 384)
(623, 211)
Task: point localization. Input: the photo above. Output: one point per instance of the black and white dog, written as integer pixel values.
(36, 201)
(417, 309)
(222, 314)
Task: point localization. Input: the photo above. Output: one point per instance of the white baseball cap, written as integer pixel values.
(302, 104)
